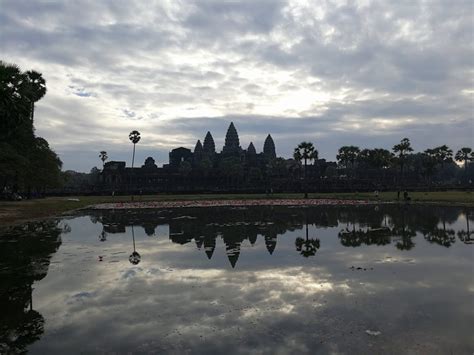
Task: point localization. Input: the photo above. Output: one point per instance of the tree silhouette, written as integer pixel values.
(134, 137)
(103, 156)
(305, 152)
(465, 155)
(347, 156)
(429, 161)
(443, 154)
(36, 89)
(402, 149)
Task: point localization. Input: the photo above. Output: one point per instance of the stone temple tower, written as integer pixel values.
(198, 151)
(269, 148)
(209, 148)
(232, 144)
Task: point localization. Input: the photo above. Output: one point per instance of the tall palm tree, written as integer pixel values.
(402, 149)
(430, 159)
(103, 156)
(36, 89)
(14, 104)
(134, 137)
(443, 154)
(305, 152)
(464, 155)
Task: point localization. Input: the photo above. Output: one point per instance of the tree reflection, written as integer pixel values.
(135, 257)
(25, 253)
(363, 225)
(465, 235)
(403, 233)
(309, 246)
(441, 236)
(103, 236)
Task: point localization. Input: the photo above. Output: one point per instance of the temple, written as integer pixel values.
(201, 169)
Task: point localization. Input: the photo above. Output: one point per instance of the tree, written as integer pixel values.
(443, 154)
(27, 161)
(303, 152)
(402, 149)
(36, 89)
(103, 156)
(14, 107)
(464, 155)
(134, 137)
(44, 168)
(429, 161)
(347, 156)
(12, 165)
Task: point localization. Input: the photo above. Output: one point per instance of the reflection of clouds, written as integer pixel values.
(177, 300)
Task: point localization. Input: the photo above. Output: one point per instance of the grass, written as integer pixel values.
(19, 211)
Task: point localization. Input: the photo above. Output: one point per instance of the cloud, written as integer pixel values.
(330, 72)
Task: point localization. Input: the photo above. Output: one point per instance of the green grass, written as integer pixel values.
(13, 212)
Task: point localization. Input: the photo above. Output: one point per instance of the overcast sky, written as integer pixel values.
(364, 73)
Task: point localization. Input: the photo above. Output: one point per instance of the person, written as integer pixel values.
(376, 194)
(405, 196)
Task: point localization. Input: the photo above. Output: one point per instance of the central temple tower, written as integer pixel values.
(232, 144)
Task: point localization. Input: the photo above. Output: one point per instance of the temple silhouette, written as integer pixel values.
(202, 169)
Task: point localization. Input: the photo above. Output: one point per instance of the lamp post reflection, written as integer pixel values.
(134, 258)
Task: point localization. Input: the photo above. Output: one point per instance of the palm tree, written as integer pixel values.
(103, 156)
(134, 137)
(347, 156)
(443, 154)
(464, 155)
(15, 107)
(305, 151)
(430, 159)
(402, 149)
(36, 89)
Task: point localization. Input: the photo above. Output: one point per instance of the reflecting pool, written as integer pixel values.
(277, 280)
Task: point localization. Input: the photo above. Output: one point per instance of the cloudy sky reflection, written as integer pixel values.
(178, 300)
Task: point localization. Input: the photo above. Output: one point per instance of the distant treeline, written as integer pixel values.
(27, 163)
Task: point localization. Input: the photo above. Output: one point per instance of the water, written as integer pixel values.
(360, 279)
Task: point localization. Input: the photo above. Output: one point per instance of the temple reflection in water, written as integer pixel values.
(361, 225)
(122, 256)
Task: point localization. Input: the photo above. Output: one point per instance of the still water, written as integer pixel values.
(277, 280)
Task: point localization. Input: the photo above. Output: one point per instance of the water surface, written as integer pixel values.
(354, 279)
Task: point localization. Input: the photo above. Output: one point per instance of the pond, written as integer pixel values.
(323, 279)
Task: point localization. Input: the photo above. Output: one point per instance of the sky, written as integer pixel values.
(365, 73)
